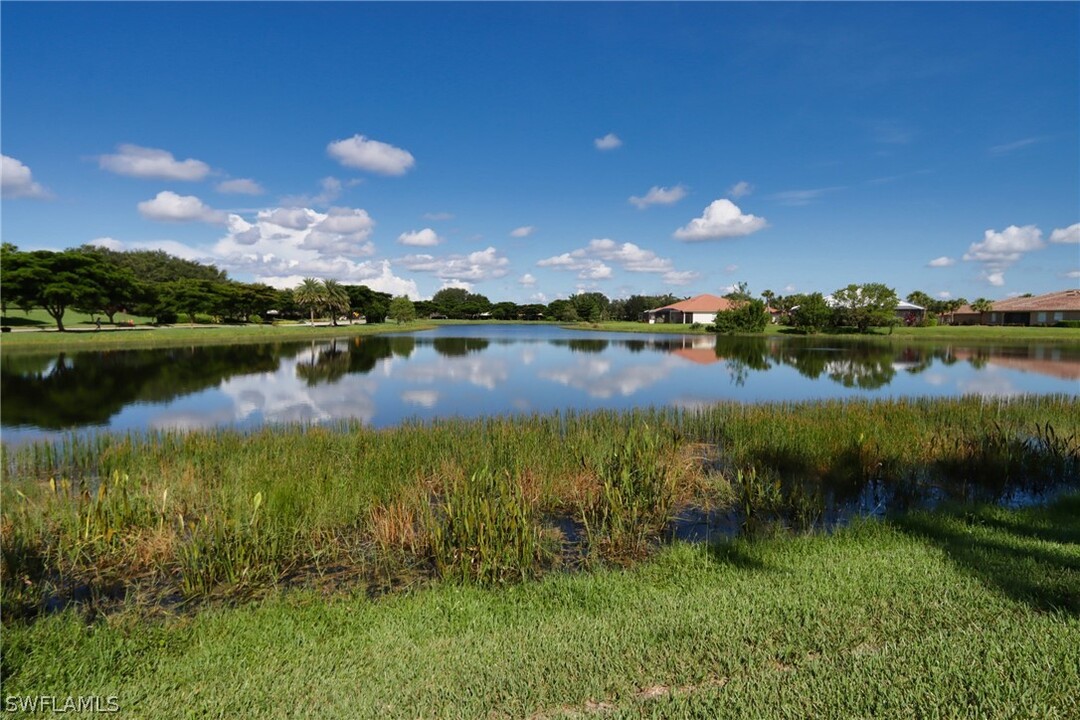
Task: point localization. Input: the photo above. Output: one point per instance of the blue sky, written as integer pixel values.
(530, 151)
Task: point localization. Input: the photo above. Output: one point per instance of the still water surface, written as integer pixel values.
(472, 371)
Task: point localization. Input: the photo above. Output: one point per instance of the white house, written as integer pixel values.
(698, 309)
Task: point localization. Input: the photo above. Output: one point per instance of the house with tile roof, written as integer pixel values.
(1047, 309)
(698, 309)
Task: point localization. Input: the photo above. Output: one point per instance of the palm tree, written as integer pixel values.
(312, 295)
(337, 299)
(982, 306)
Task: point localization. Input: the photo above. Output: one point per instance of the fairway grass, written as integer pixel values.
(154, 337)
(968, 613)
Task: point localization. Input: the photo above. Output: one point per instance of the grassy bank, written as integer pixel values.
(194, 516)
(942, 332)
(154, 337)
(967, 614)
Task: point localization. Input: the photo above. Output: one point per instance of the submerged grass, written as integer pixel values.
(959, 613)
(223, 513)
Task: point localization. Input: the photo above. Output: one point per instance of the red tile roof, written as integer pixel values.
(700, 304)
(1061, 300)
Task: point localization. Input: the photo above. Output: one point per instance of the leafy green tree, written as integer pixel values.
(504, 311)
(592, 306)
(157, 266)
(740, 293)
(533, 311)
(190, 297)
(54, 281)
(402, 310)
(812, 315)
(866, 306)
(749, 316)
(120, 291)
(311, 294)
(448, 301)
(982, 305)
(563, 311)
(373, 304)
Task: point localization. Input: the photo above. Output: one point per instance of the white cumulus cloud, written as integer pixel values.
(608, 142)
(371, 155)
(591, 262)
(523, 231)
(1006, 246)
(341, 231)
(16, 180)
(420, 238)
(659, 196)
(1000, 250)
(721, 219)
(240, 186)
(167, 206)
(942, 261)
(473, 267)
(1070, 234)
(144, 162)
(527, 280)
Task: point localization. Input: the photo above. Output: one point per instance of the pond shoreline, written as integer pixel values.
(198, 513)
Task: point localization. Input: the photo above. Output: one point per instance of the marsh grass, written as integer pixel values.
(484, 530)
(222, 513)
(635, 492)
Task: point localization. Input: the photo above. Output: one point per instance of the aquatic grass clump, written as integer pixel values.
(483, 530)
(636, 491)
(239, 553)
(997, 458)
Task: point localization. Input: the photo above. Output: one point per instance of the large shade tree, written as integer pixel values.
(866, 306)
(54, 281)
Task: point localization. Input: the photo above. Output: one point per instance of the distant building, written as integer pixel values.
(698, 309)
(1037, 310)
(966, 315)
(910, 313)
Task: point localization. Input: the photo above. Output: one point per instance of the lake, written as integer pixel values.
(478, 370)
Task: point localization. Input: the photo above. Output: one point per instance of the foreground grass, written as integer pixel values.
(144, 338)
(972, 613)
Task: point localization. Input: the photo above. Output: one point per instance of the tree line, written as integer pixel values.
(151, 283)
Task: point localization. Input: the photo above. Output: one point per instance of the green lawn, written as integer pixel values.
(152, 337)
(974, 613)
(38, 318)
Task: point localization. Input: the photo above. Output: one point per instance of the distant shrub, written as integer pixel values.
(1068, 323)
(748, 317)
(255, 319)
(696, 326)
(929, 321)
